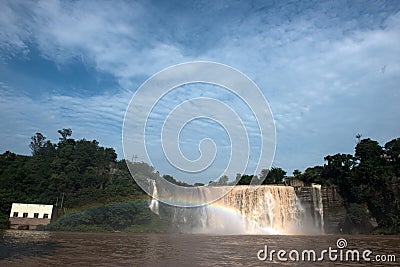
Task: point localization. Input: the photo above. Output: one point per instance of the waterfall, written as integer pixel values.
(318, 207)
(266, 209)
(243, 210)
(154, 200)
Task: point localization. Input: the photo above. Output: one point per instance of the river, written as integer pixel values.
(38, 248)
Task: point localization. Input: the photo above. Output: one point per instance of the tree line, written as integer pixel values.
(77, 173)
(369, 180)
(69, 174)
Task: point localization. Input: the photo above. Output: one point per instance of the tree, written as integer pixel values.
(339, 170)
(312, 175)
(172, 180)
(338, 165)
(296, 173)
(358, 137)
(65, 133)
(275, 176)
(37, 143)
(392, 149)
(245, 179)
(372, 168)
(369, 152)
(80, 170)
(392, 154)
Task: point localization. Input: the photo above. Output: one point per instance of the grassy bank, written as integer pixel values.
(132, 216)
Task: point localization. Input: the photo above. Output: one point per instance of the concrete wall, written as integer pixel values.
(27, 223)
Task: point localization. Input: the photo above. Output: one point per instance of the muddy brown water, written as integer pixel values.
(38, 248)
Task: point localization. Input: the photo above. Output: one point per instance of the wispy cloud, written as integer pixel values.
(318, 64)
(98, 117)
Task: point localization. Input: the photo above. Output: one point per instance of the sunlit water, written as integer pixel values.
(32, 248)
(266, 209)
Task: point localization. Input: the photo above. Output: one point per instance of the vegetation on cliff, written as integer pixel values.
(368, 179)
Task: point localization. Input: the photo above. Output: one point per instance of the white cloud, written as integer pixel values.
(98, 117)
(315, 64)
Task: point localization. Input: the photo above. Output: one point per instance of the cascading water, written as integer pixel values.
(154, 200)
(263, 209)
(318, 207)
(267, 209)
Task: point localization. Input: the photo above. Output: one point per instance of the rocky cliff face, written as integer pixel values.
(333, 213)
(334, 209)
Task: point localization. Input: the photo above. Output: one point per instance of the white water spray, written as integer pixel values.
(268, 209)
(154, 202)
(318, 207)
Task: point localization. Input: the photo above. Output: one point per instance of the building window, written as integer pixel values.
(15, 214)
(45, 216)
(25, 215)
(36, 215)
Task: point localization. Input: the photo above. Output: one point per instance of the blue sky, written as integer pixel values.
(329, 69)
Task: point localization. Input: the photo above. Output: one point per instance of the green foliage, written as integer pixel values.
(37, 143)
(171, 179)
(392, 154)
(275, 176)
(245, 179)
(78, 174)
(72, 173)
(366, 179)
(126, 216)
(369, 152)
(296, 173)
(65, 133)
(357, 213)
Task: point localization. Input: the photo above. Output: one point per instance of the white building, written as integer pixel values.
(29, 216)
